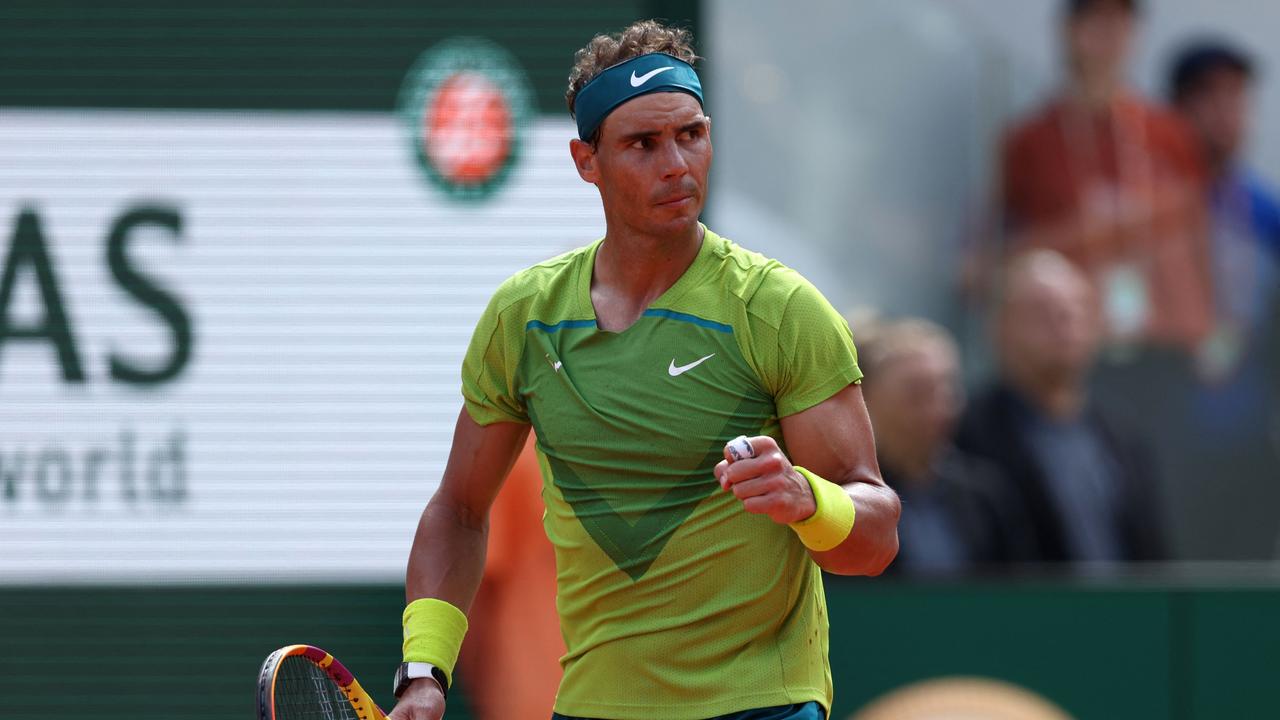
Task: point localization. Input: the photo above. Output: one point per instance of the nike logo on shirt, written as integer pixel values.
(638, 81)
(676, 370)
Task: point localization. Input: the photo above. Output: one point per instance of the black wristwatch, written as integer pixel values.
(410, 671)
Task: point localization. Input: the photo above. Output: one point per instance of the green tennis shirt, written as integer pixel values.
(674, 601)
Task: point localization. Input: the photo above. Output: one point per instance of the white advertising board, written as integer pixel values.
(230, 342)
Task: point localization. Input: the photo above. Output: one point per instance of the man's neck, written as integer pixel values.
(1055, 398)
(638, 267)
(910, 466)
(1095, 92)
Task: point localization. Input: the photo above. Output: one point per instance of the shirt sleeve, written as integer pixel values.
(813, 356)
(1266, 218)
(489, 368)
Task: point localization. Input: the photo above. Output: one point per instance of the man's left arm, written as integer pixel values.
(833, 441)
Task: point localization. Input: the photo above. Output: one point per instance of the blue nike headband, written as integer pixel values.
(655, 72)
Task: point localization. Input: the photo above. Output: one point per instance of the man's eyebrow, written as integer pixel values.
(648, 133)
(639, 135)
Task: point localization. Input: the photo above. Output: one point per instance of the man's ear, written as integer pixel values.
(584, 159)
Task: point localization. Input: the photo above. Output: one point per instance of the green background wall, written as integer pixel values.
(1185, 653)
(280, 54)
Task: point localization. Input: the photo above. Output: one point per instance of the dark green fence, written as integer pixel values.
(1098, 652)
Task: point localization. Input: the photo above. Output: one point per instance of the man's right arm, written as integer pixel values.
(447, 558)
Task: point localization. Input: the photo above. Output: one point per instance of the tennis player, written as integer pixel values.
(689, 585)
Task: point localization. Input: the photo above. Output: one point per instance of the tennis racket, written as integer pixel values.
(301, 682)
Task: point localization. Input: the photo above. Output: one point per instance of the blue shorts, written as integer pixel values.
(804, 711)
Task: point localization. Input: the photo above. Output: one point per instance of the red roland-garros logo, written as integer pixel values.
(468, 130)
(466, 102)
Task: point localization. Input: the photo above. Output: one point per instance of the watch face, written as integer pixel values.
(401, 679)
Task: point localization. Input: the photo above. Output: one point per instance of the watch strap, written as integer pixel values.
(410, 671)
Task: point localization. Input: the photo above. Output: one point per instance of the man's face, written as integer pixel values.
(1099, 37)
(652, 162)
(1218, 110)
(1051, 324)
(916, 397)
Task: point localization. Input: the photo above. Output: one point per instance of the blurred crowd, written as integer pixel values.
(1028, 469)
(1137, 260)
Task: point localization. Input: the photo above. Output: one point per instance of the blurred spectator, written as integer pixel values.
(1234, 418)
(1210, 86)
(1114, 184)
(510, 660)
(1086, 483)
(958, 512)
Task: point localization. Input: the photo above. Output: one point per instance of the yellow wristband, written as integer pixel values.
(832, 522)
(433, 631)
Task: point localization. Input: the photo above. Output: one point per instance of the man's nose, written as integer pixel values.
(673, 163)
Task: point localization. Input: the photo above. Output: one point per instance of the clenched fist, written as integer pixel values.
(767, 484)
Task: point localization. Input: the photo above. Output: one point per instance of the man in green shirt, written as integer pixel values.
(688, 582)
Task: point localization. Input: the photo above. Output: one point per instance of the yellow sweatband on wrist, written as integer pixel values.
(433, 631)
(832, 522)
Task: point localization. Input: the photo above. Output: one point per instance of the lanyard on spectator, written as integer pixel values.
(1121, 272)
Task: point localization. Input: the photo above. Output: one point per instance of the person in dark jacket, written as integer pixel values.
(958, 514)
(1088, 484)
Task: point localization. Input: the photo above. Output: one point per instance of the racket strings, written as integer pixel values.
(304, 691)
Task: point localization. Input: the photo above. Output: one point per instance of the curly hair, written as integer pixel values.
(639, 38)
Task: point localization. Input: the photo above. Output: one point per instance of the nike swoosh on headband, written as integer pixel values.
(638, 81)
(629, 79)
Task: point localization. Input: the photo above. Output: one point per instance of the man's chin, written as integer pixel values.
(683, 224)
(672, 225)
